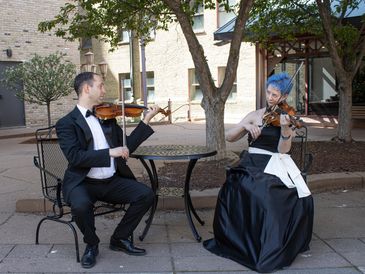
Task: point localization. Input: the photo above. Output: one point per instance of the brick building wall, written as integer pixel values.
(19, 32)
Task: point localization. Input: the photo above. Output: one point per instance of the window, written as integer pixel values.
(123, 36)
(198, 19)
(224, 16)
(86, 43)
(126, 87)
(233, 94)
(152, 35)
(150, 82)
(195, 93)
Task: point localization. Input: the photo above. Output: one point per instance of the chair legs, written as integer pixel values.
(63, 222)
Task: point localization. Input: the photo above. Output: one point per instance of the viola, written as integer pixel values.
(107, 111)
(272, 117)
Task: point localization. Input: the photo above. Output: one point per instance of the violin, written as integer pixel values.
(107, 111)
(273, 117)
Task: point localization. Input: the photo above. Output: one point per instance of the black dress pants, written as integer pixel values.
(116, 190)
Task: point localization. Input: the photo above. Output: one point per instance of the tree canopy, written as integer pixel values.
(104, 19)
(328, 19)
(283, 19)
(44, 79)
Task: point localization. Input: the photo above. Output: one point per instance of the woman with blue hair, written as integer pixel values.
(264, 212)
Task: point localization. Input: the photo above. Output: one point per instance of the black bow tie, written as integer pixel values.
(88, 113)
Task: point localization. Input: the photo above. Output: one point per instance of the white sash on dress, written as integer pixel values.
(283, 166)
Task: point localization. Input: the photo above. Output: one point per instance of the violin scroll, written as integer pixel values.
(164, 112)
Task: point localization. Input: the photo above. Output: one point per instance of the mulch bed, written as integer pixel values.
(328, 157)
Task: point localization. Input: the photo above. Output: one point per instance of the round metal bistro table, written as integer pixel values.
(172, 152)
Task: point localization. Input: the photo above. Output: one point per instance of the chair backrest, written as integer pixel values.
(299, 151)
(52, 165)
(50, 159)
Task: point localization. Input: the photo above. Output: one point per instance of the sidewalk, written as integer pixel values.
(338, 244)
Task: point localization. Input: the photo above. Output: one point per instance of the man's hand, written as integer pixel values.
(152, 111)
(119, 152)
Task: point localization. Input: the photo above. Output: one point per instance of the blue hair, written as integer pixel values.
(281, 82)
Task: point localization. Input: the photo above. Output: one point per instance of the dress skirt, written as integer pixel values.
(258, 221)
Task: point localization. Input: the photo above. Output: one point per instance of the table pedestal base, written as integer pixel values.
(189, 208)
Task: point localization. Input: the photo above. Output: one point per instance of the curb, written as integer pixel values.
(18, 135)
(206, 199)
(318, 183)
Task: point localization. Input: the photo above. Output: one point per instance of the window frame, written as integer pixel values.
(231, 97)
(123, 88)
(193, 85)
(122, 33)
(221, 10)
(198, 15)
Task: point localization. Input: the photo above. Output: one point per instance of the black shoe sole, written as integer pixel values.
(116, 248)
(88, 266)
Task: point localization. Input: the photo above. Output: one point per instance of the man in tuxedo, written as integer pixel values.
(97, 168)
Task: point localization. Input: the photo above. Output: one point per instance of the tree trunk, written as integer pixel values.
(345, 65)
(136, 72)
(214, 98)
(49, 113)
(344, 110)
(214, 126)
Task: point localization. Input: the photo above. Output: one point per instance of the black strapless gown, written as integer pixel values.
(258, 221)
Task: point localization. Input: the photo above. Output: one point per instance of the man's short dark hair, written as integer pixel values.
(83, 78)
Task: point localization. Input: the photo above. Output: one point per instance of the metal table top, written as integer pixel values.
(172, 152)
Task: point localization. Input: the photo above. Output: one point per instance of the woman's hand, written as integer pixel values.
(285, 125)
(254, 130)
(247, 124)
(286, 134)
(284, 120)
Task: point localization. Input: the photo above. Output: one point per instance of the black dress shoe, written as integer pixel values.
(88, 260)
(126, 246)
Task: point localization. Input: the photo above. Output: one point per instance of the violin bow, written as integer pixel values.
(273, 108)
(292, 78)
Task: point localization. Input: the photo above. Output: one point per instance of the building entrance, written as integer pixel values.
(11, 107)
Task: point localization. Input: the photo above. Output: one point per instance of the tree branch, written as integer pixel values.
(238, 34)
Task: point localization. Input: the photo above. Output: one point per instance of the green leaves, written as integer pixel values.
(102, 19)
(44, 79)
(282, 19)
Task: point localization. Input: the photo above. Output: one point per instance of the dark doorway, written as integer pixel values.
(11, 107)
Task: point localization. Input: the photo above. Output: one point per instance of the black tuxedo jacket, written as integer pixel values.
(76, 141)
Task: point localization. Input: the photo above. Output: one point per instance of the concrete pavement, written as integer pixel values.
(338, 244)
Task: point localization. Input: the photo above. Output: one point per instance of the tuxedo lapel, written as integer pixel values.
(81, 122)
(107, 129)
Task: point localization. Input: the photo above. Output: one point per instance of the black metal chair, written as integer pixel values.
(299, 153)
(52, 165)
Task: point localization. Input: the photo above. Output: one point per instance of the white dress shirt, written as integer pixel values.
(100, 142)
